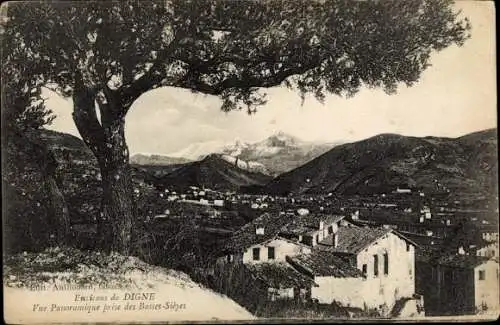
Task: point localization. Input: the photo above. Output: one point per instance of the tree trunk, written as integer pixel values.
(117, 203)
(106, 139)
(58, 210)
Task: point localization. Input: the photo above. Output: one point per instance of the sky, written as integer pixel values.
(455, 96)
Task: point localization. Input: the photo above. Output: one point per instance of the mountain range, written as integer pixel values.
(274, 155)
(279, 153)
(468, 164)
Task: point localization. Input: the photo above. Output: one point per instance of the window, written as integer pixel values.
(270, 253)
(273, 294)
(330, 230)
(256, 254)
(365, 269)
(386, 264)
(317, 239)
(482, 274)
(375, 265)
(407, 247)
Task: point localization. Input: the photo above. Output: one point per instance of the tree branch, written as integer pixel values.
(85, 117)
(151, 78)
(246, 82)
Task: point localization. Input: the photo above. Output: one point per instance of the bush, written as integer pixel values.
(26, 211)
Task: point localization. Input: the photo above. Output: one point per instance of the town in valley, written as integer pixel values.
(369, 245)
(222, 160)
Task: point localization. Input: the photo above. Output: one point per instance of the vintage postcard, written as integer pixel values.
(249, 160)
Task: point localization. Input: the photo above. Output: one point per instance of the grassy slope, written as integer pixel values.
(69, 266)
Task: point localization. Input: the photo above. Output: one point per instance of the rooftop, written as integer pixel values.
(352, 239)
(275, 224)
(246, 236)
(462, 261)
(305, 224)
(325, 264)
(280, 275)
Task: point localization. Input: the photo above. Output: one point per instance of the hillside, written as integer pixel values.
(91, 272)
(156, 160)
(151, 173)
(33, 204)
(77, 174)
(49, 176)
(379, 164)
(212, 172)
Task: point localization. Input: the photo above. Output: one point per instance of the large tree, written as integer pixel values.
(107, 54)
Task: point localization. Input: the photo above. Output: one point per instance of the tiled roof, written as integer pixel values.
(352, 239)
(246, 236)
(280, 275)
(325, 264)
(422, 240)
(462, 261)
(274, 224)
(304, 224)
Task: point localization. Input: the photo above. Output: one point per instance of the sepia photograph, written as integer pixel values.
(246, 161)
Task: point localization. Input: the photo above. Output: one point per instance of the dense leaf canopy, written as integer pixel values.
(22, 104)
(231, 48)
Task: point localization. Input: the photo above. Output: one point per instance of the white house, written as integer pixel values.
(283, 281)
(263, 252)
(490, 236)
(459, 284)
(384, 256)
(219, 203)
(273, 250)
(311, 229)
(356, 266)
(486, 287)
(490, 250)
(336, 280)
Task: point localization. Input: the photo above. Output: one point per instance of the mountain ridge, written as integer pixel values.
(156, 159)
(212, 172)
(276, 154)
(387, 160)
(279, 152)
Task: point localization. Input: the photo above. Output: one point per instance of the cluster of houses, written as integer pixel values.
(330, 258)
(327, 258)
(324, 254)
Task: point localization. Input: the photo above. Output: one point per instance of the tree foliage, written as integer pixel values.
(105, 54)
(233, 48)
(22, 104)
